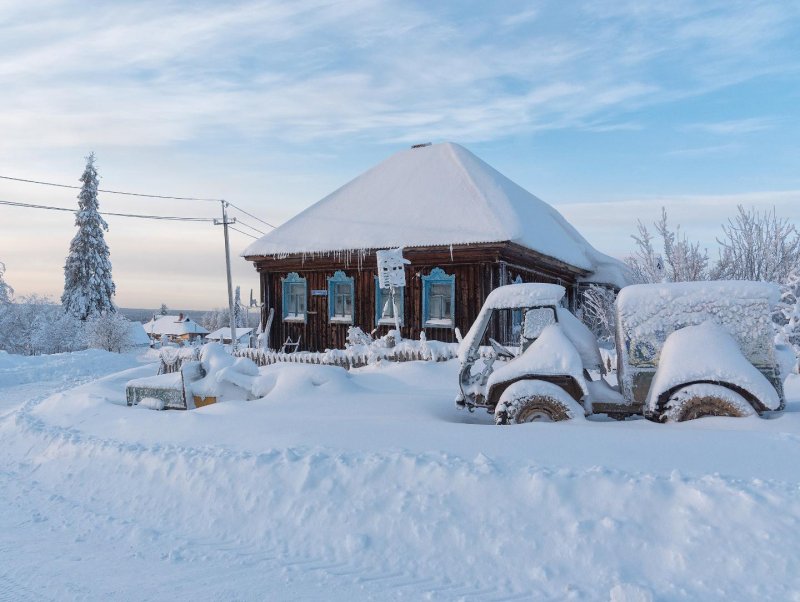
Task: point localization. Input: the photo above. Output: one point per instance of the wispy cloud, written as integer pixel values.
(733, 127)
(149, 73)
(702, 151)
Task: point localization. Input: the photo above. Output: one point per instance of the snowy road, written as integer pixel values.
(339, 487)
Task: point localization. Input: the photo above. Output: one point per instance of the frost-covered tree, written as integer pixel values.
(88, 286)
(678, 260)
(758, 246)
(164, 309)
(34, 325)
(6, 292)
(110, 331)
(597, 312)
(238, 309)
(215, 319)
(787, 315)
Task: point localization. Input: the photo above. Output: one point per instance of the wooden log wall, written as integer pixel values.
(478, 270)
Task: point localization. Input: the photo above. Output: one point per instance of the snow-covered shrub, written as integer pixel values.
(758, 246)
(110, 331)
(598, 312)
(35, 325)
(356, 336)
(6, 292)
(679, 260)
(787, 318)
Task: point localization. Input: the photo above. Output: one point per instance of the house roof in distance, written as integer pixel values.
(225, 333)
(173, 325)
(440, 194)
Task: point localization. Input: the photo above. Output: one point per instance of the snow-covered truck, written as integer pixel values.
(684, 351)
(692, 349)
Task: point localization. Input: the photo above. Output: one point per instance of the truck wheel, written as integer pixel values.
(535, 401)
(703, 399)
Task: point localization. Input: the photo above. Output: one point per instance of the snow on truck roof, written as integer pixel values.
(440, 194)
(512, 296)
(632, 297)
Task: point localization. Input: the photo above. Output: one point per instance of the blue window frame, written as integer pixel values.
(294, 294)
(438, 299)
(384, 308)
(341, 293)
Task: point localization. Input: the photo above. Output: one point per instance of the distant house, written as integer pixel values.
(465, 227)
(223, 335)
(177, 329)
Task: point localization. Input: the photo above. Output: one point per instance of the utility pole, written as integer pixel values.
(224, 223)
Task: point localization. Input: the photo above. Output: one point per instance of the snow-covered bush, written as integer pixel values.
(597, 312)
(110, 331)
(215, 319)
(6, 292)
(758, 246)
(787, 318)
(679, 260)
(35, 325)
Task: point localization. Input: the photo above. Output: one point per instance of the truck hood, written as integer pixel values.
(552, 354)
(707, 353)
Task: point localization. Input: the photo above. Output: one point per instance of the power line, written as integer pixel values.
(174, 218)
(152, 196)
(242, 232)
(239, 221)
(251, 215)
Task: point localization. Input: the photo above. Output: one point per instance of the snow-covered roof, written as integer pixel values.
(138, 336)
(173, 325)
(440, 194)
(530, 294)
(225, 333)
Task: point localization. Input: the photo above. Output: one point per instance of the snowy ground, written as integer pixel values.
(371, 485)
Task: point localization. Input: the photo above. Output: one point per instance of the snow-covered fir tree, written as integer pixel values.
(238, 312)
(88, 286)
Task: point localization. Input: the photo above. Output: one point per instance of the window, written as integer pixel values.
(294, 298)
(438, 299)
(384, 308)
(340, 298)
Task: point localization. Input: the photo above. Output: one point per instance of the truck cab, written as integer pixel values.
(544, 372)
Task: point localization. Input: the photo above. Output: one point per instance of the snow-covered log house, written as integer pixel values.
(465, 228)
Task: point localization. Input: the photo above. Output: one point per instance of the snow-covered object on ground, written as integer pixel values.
(552, 354)
(648, 313)
(168, 388)
(707, 353)
(225, 377)
(435, 195)
(151, 403)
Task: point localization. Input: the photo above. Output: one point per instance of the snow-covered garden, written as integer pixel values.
(370, 484)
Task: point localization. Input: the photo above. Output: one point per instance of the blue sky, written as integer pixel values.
(605, 109)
